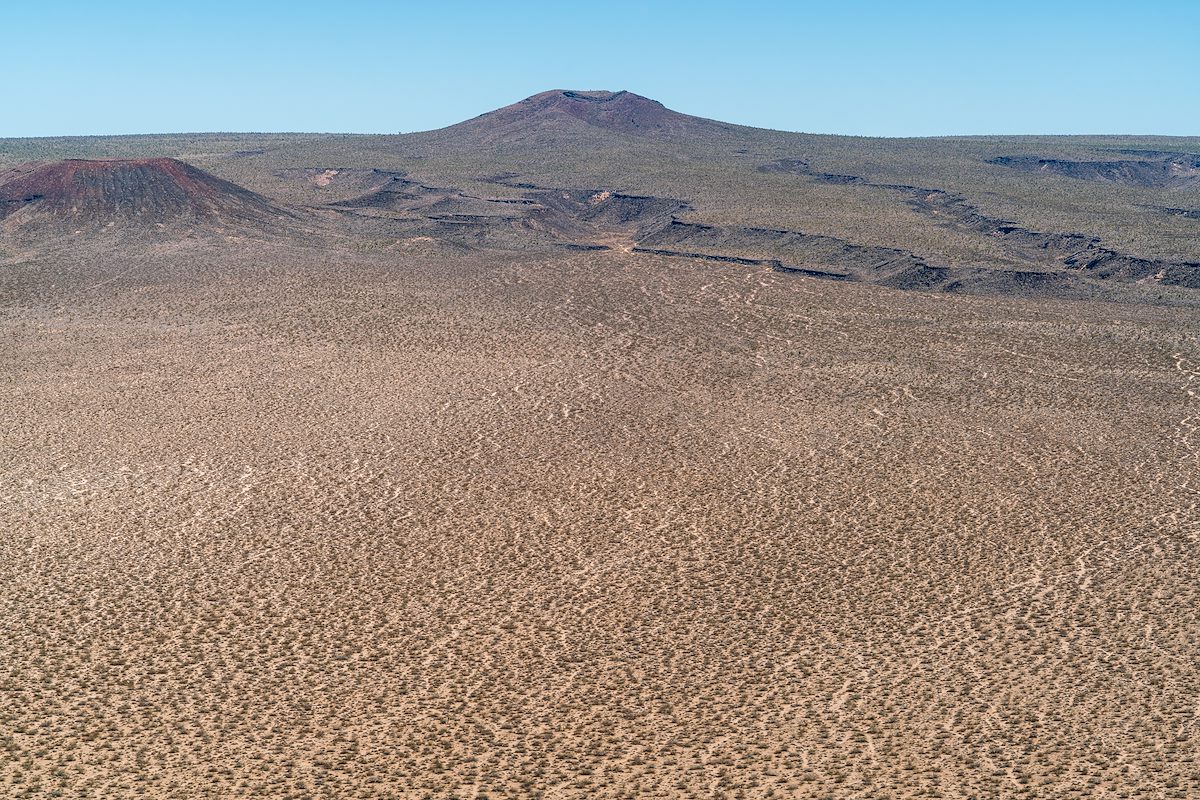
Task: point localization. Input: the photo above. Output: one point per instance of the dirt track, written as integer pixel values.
(608, 525)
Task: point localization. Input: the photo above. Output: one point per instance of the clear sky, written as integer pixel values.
(845, 66)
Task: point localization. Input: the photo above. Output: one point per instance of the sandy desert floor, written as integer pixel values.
(602, 525)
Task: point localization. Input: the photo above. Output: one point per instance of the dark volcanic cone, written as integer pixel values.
(563, 111)
(152, 192)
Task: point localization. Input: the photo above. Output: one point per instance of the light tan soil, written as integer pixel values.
(601, 526)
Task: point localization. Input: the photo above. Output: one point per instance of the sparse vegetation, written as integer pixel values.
(338, 514)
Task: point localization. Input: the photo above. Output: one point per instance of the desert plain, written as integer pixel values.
(322, 511)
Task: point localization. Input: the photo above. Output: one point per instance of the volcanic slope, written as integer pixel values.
(847, 200)
(560, 112)
(944, 214)
(127, 193)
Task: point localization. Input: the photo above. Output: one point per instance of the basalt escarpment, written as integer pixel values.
(542, 216)
(1152, 169)
(826, 256)
(1073, 252)
(339, 183)
(1186, 213)
(594, 219)
(592, 171)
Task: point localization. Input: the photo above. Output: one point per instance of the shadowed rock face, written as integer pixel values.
(1078, 252)
(562, 110)
(1154, 170)
(104, 193)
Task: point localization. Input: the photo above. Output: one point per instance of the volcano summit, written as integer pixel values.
(562, 111)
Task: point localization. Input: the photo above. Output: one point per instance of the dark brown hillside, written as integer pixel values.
(90, 194)
(563, 111)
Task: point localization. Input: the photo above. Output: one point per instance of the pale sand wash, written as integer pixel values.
(606, 526)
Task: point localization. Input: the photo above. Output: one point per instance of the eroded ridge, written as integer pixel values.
(1073, 252)
(1153, 168)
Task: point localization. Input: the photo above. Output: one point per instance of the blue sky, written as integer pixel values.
(881, 69)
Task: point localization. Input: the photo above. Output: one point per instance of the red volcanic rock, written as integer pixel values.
(89, 193)
(563, 111)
